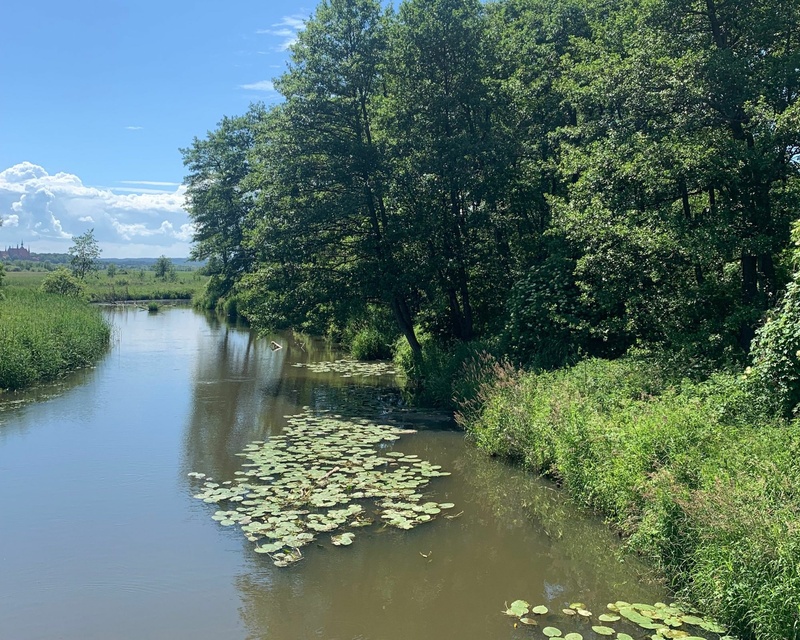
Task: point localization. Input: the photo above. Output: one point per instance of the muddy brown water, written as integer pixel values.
(100, 537)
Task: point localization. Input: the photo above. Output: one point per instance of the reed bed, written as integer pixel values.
(43, 336)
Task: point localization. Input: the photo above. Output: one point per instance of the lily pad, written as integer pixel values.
(540, 610)
(603, 631)
(607, 617)
(551, 632)
(518, 608)
(574, 636)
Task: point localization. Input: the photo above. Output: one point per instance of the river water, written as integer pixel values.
(100, 537)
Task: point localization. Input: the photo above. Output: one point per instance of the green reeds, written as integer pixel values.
(43, 336)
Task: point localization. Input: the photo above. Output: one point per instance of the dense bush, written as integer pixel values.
(692, 474)
(62, 282)
(774, 377)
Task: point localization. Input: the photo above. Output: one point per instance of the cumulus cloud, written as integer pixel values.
(286, 29)
(46, 211)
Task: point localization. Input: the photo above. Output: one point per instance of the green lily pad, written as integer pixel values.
(540, 610)
(518, 608)
(607, 617)
(551, 632)
(603, 631)
(573, 636)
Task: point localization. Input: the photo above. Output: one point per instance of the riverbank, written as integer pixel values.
(691, 475)
(43, 336)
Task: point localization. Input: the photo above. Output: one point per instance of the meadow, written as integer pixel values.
(132, 284)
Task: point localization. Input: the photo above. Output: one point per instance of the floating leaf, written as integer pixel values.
(551, 632)
(607, 617)
(540, 610)
(569, 612)
(518, 608)
(528, 621)
(575, 636)
(585, 613)
(603, 631)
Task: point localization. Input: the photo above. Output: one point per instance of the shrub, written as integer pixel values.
(63, 283)
(369, 344)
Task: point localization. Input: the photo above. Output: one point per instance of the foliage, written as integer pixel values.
(63, 283)
(164, 269)
(693, 474)
(111, 270)
(84, 251)
(774, 377)
(43, 336)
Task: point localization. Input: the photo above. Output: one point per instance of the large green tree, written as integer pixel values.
(328, 243)
(218, 200)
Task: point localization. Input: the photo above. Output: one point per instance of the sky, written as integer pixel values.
(98, 98)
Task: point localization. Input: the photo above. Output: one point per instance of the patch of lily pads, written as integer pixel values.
(349, 368)
(661, 621)
(315, 478)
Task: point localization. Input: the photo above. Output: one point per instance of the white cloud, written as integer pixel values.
(261, 85)
(46, 211)
(152, 183)
(132, 128)
(287, 29)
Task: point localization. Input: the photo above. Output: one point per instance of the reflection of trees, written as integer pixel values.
(229, 406)
(242, 390)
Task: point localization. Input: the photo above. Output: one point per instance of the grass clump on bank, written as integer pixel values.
(690, 473)
(43, 336)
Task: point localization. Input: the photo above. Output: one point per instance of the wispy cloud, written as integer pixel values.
(287, 29)
(151, 183)
(132, 128)
(261, 85)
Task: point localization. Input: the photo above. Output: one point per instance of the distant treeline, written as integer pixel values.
(51, 261)
(575, 177)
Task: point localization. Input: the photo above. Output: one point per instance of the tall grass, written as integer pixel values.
(689, 473)
(42, 336)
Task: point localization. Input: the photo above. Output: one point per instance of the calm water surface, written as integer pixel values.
(100, 537)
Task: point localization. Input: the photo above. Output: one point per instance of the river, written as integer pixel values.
(101, 537)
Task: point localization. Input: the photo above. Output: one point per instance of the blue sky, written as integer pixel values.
(98, 97)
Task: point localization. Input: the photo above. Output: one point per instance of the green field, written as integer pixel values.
(130, 285)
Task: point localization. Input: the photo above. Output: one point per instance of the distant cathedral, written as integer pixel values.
(16, 253)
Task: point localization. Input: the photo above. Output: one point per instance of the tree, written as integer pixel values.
(164, 268)
(219, 201)
(328, 244)
(111, 271)
(85, 252)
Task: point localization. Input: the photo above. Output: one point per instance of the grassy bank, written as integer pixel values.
(134, 285)
(43, 336)
(690, 474)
